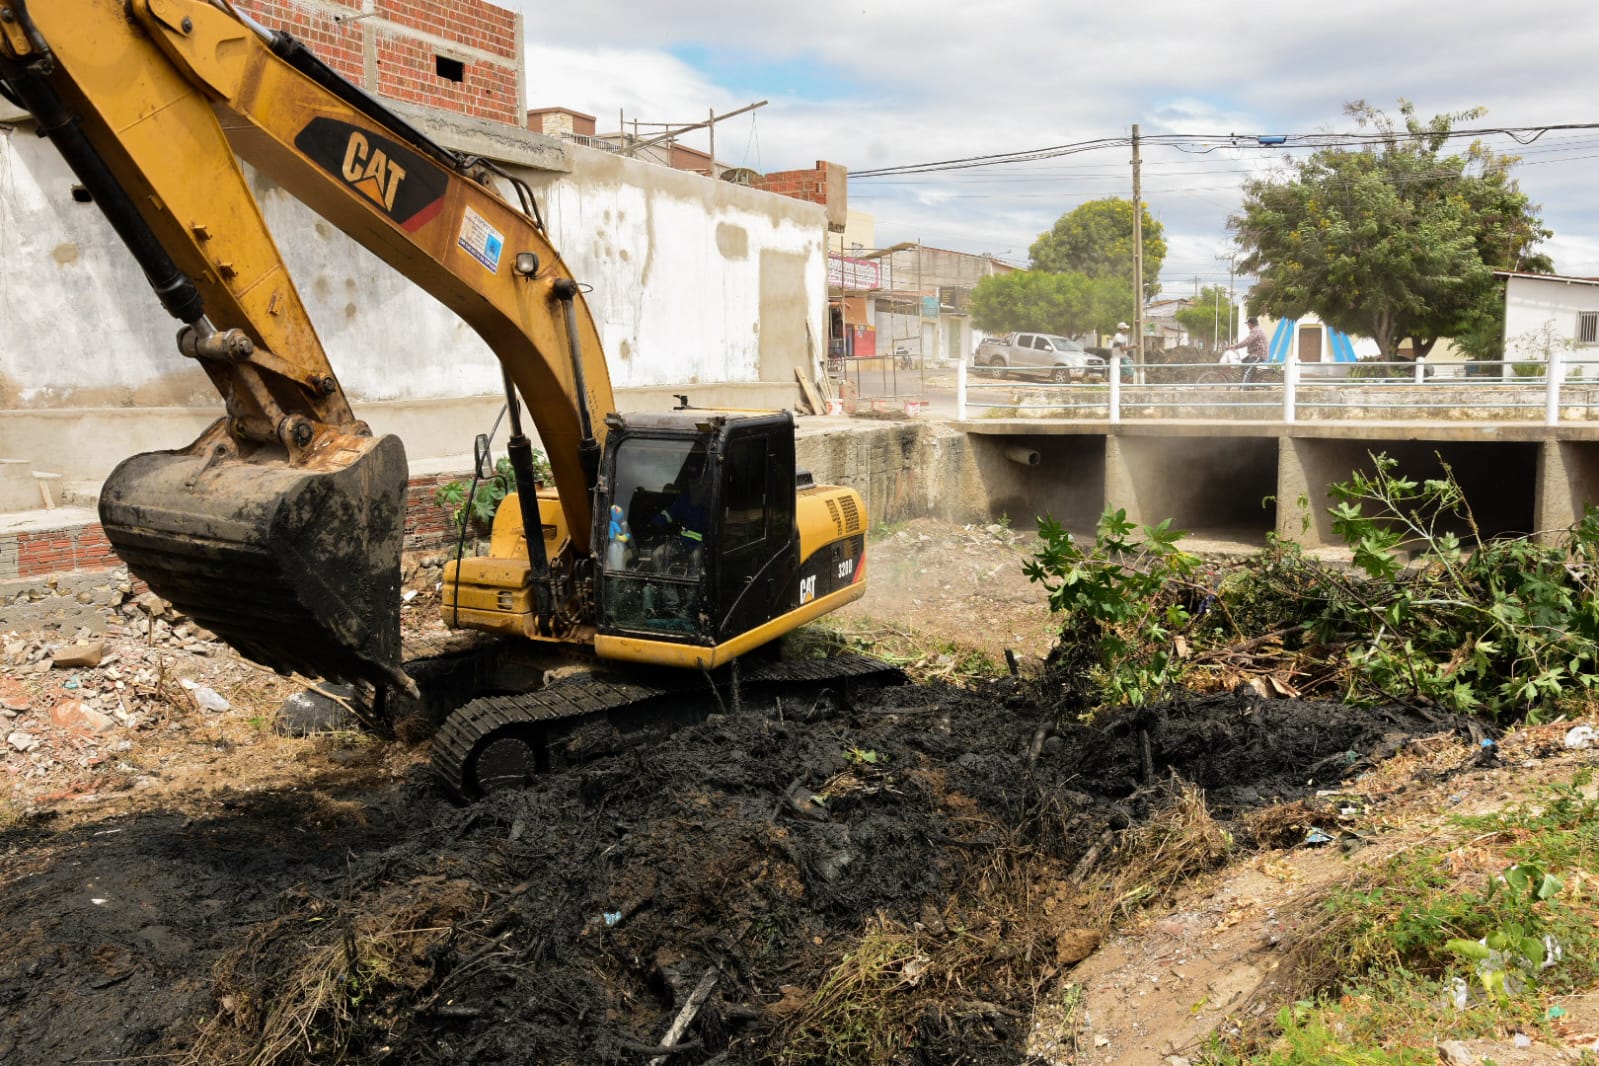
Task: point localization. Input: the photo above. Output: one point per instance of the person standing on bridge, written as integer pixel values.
(1254, 346)
(1118, 349)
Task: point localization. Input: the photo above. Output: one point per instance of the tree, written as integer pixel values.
(1096, 239)
(1394, 240)
(1210, 321)
(1035, 300)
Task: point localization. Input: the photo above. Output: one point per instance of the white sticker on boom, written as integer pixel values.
(482, 241)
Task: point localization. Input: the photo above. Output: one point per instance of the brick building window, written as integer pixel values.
(449, 69)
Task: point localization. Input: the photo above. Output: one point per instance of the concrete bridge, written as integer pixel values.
(1225, 462)
(1240, 460)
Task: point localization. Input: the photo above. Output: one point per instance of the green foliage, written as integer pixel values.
(490, 491)
(1212, 321)
(1493, 627)
(1310, 1038)
(1096, 239)
(1037, 301)
(1124, 600)
(1432, 613)
(1510, 956)
(1393, 241)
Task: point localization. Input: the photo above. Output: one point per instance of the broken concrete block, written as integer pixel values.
(78, 655)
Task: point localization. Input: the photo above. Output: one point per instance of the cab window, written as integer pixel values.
(744, 513)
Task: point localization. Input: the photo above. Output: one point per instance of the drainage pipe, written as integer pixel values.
(1025, 456)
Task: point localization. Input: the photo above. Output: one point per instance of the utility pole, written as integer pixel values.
(1138, 265)
(1232, 261)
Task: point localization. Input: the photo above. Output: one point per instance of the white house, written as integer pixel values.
(1546, 314)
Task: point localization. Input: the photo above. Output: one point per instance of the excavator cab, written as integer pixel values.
(695, 528)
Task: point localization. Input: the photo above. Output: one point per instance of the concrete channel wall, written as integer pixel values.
(1243, 480)
(1236, 482)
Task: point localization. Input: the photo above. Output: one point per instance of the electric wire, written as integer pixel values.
(1205, 143)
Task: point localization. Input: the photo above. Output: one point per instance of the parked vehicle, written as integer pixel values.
(1060, 358)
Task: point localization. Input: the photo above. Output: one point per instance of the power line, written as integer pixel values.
(1205, 143)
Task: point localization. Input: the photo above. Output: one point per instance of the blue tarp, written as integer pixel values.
(1338, 342)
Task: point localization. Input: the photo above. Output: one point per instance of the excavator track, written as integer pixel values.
(502, 741)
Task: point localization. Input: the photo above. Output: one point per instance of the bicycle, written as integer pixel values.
(1246, 372)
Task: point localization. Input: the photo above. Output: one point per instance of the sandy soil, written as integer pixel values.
(180, 883)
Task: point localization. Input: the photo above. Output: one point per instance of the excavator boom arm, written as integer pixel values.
(153, 103)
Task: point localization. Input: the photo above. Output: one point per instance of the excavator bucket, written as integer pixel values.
(297, 567)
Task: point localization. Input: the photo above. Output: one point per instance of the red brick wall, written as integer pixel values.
(808, 185)
(40, 553)
(826, 184)
(336, 43)
(56, 551)
(405, 33)
(406, 72)
(427, 525)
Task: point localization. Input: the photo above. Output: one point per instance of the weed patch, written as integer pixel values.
(1469, 935)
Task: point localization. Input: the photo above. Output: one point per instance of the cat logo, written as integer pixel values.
(404, 185)
(370, 171)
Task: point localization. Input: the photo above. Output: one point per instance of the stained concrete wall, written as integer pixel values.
(1067, 481)
(697, 286)
(1568, 484)
(904, 470)
(1243, 481)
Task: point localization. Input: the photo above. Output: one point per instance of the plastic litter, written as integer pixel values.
(1581, 737)
(209, 699)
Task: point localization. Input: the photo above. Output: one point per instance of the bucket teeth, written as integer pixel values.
(297, 567)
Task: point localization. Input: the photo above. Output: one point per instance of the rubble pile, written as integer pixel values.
(95, 669)
(73, 703)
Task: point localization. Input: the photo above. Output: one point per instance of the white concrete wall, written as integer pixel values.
(693, 282)
(1541, 317)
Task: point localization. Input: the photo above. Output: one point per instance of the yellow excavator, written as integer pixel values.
(673, 543)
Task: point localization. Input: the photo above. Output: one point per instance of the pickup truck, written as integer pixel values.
(1061, 358)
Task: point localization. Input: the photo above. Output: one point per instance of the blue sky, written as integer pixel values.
(884, 84)
(743, 73)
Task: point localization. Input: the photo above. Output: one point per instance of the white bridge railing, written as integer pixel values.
(1518, 391)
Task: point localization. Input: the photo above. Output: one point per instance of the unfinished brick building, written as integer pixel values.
(463, 56)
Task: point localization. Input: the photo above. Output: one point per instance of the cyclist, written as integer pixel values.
(1254, 345)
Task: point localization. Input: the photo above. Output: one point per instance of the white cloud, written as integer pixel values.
(876, 84)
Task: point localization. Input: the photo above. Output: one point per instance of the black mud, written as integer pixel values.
(568, 923)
